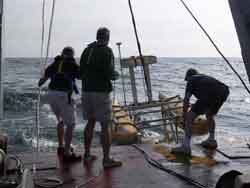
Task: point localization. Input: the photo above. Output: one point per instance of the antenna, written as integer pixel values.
(1, 61)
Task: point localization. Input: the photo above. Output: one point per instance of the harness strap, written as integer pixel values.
(60, 67)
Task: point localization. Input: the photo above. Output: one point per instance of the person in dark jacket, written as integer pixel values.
(97, 71)
(62, 74)
(210, 94)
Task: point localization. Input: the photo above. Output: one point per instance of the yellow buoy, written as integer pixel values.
(124, 131)
(125, 134)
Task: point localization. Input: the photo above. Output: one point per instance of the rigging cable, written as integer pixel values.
(140, 53)
(43, 64)
(36, 129)
(216, 47)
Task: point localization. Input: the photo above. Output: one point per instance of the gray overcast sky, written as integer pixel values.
(165, 27)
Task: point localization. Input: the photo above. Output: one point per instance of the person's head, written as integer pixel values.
(102, 35)
(190, 72)
(68, 52)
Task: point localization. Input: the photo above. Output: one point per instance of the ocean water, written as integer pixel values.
(167, 76)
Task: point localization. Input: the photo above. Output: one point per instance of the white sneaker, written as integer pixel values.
(210, 143)
(182, 150)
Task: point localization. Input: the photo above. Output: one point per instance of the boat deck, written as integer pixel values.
(137, 170)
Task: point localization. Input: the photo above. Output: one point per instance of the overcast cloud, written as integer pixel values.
(165, 27)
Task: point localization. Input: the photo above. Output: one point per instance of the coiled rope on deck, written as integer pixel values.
(215, 46)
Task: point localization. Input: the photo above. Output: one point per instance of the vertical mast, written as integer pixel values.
(1, 61)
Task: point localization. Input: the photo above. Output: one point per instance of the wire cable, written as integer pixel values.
(43, 65)
(140, 53)
(215, 46)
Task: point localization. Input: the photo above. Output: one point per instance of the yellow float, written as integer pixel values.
(123, 129)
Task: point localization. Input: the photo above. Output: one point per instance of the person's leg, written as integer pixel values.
(105, 140)
(68, 139)
(60, 133)
(108, 162)
(55, 105)
(88, 135)
(196, 109)
(188, 128)
(185, 147)
(211, 126)
(213, 109)
(60, 136)
(68, 116)
(210, 142)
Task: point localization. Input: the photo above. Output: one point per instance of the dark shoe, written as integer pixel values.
(210, 144)
(72, 157)
(111, 163)
(60, 150)
(89, 158)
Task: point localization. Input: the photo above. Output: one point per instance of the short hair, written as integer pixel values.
(102, 33)
(68, 51)
(190, 72)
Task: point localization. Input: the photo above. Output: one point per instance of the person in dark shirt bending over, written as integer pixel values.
(62, 74)
(210, 94)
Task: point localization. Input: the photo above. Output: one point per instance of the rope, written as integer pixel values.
(139, 49)
(50, 182)
(50, 32)
(215, 46)
(43, 64)
(158, 165)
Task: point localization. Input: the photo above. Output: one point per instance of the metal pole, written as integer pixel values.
(122, 75)
(1, 61)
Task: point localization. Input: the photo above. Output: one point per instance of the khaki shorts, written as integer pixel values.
(96, 105)
(59, 104)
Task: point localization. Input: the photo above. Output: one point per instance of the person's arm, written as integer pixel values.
(42, 81)
(83, 64)
(45, 77)
(186, 100)
(47, 74)
(76, 71)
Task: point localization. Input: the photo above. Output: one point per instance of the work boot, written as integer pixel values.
(181, 150)
(111, 163)
(209, 143)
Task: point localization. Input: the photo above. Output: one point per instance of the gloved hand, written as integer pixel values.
(115, 75)
(42, 81)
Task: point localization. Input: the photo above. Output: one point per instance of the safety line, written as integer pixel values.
(215, 46)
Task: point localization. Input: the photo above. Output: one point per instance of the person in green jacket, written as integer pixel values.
(97, 71)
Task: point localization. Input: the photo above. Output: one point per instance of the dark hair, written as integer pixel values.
(102, 33)
(190, 72)
(68, 51)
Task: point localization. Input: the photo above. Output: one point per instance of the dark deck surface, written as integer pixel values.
(136, 172)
